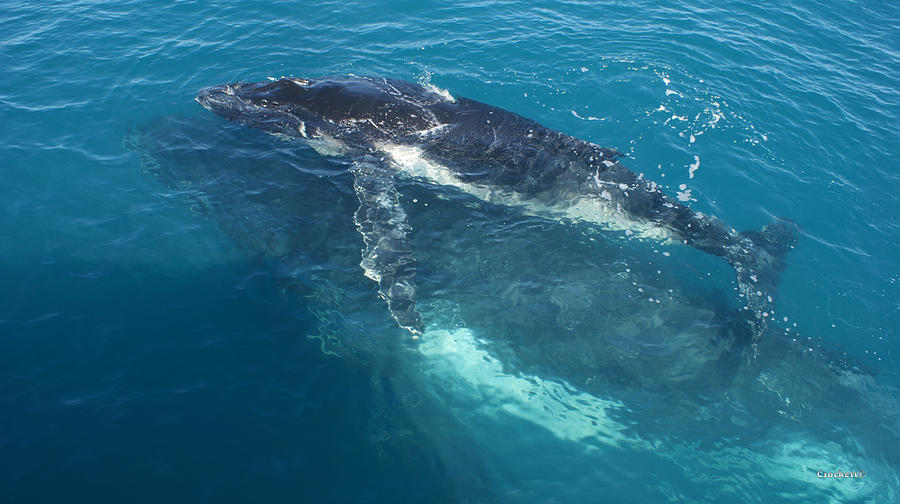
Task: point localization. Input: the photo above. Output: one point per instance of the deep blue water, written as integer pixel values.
(183, 316)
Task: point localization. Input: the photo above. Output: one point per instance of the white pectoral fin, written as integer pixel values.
(386, 256)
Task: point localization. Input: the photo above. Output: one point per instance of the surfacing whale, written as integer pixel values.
(389, 128)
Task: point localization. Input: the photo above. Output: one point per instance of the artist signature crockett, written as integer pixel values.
(841, 474)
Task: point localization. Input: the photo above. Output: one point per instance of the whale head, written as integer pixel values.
(346, 108)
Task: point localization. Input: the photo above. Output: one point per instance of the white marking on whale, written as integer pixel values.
(599, 211)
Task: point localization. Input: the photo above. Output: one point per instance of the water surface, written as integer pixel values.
(184, 314)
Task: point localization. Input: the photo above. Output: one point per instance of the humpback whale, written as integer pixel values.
(390, 128)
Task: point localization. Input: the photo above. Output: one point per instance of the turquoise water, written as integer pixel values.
(184, 317)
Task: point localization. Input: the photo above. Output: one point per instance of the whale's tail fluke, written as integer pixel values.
(770, 247)
(758, 260)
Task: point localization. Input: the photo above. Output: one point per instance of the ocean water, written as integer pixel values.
(183, 316)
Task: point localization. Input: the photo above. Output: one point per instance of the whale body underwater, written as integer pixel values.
(388, 128)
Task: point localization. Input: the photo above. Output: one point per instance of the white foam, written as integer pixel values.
(694, 166)
(443, 93)
(588, 118)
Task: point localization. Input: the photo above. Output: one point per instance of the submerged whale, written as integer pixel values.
(388, 128)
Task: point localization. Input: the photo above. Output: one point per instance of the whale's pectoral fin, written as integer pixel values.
(386, 256)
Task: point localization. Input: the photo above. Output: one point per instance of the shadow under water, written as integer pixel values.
(549, 349)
